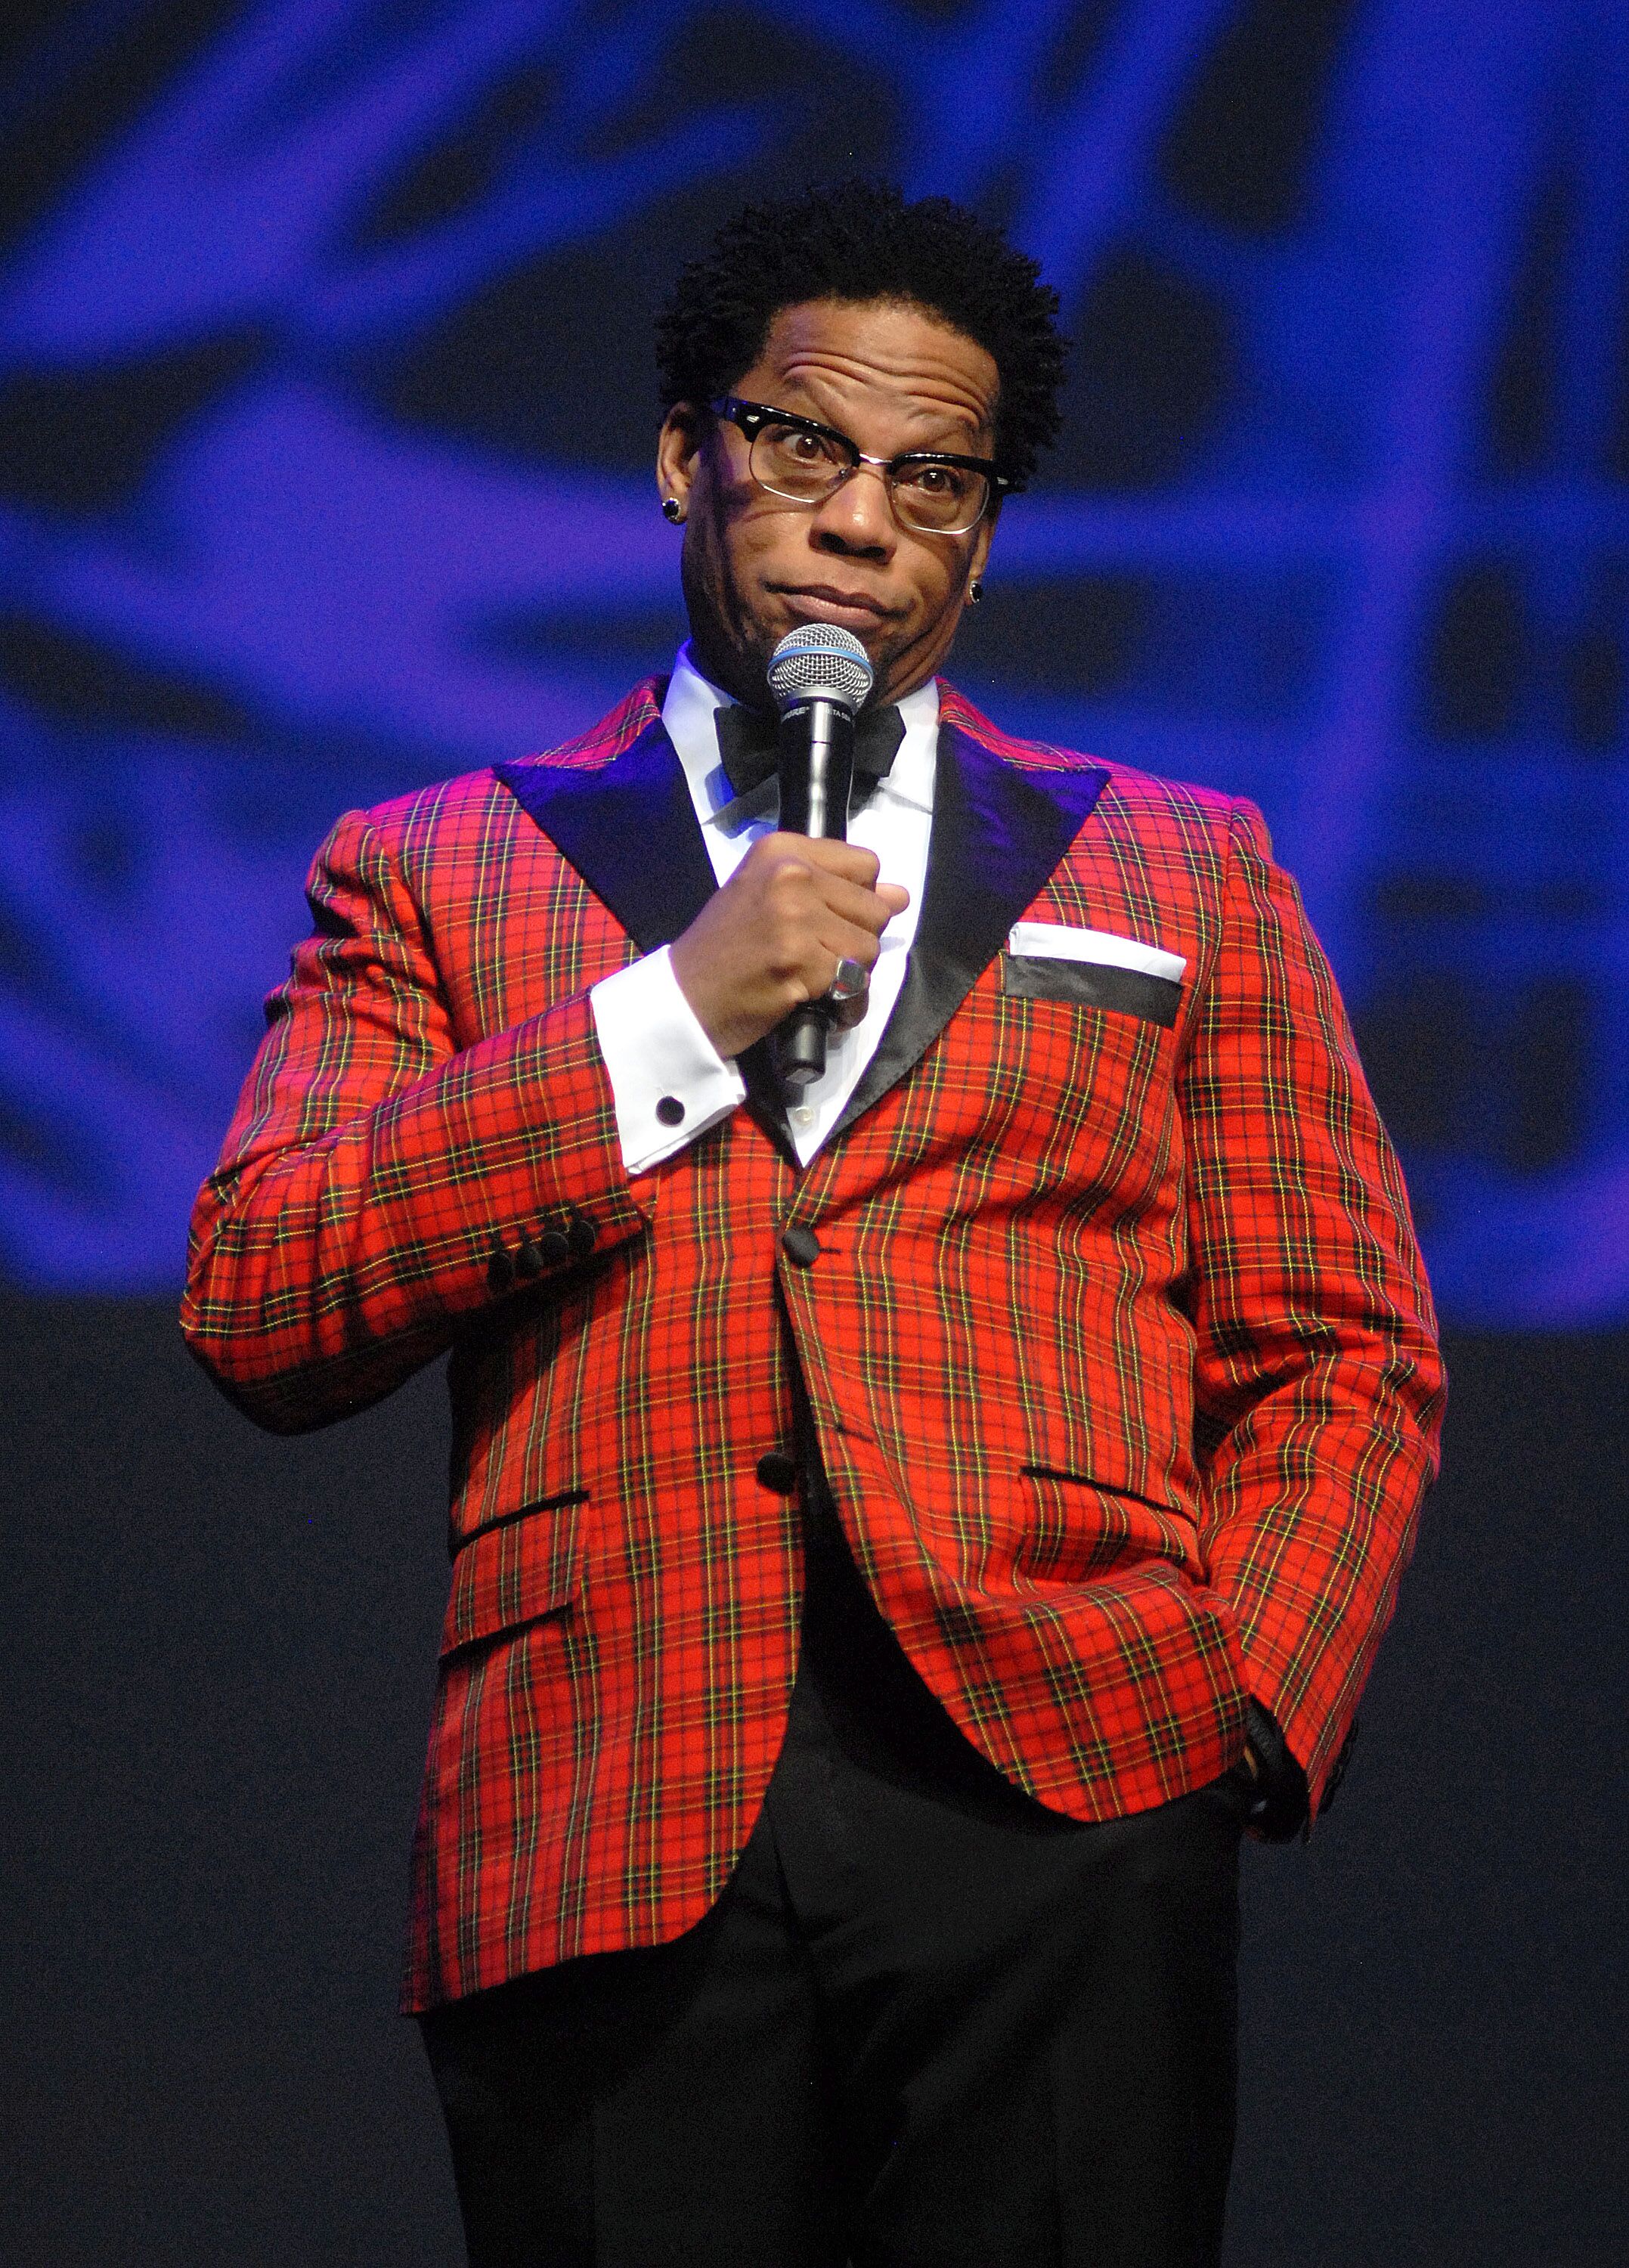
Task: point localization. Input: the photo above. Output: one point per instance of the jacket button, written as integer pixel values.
(581, 1237)
(554, 1247)
(778, 1471)
(801, 1246)
(529, 1259)
(500, 1271)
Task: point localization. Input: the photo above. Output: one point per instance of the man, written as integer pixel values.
(877, 1523)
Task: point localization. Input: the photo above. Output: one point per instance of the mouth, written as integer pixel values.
(824, 603)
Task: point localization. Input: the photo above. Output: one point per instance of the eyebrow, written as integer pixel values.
(920, 449)
(984, 424)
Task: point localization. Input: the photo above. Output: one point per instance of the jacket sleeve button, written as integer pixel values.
(529, 1259)
(554, 1247)
(501, 1269)
(777, 1471)
(581, 1237)
(801, 1246)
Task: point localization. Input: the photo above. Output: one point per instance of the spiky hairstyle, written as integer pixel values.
(859, 241)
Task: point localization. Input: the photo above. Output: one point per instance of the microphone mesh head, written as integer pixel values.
(823, 658)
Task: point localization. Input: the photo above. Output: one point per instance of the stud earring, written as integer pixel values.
(672, 510)
(975, 591)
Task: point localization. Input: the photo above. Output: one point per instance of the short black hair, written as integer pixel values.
(858, 242)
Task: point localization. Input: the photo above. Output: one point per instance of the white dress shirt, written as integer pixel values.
(669, 1081)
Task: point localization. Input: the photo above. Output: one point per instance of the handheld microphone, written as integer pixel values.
(819, 677)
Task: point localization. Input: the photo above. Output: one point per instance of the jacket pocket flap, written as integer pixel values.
(521, 1568)
(1081, 1528)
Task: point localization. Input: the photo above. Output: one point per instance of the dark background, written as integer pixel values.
(218, 1688)
(325, 412)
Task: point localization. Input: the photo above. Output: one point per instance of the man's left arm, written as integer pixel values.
(1319, 1385)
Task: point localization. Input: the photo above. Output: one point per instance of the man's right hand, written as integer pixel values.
(772, 937)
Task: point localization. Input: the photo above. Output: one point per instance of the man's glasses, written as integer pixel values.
(803, 461)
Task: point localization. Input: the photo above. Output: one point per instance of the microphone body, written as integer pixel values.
(819, 677)
(816, 758)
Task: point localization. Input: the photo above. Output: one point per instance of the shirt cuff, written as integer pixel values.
(669, 1081)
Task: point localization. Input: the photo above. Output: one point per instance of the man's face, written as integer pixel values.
(756, 565)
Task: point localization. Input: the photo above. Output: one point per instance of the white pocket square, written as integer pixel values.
(1061, 941)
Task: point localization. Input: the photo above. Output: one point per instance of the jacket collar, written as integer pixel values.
(615, 806)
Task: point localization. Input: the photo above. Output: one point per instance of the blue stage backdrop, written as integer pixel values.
(325, 413)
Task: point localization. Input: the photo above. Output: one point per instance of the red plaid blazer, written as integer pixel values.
(1116, 1336)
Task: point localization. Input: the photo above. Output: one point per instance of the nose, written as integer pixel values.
(857, 515)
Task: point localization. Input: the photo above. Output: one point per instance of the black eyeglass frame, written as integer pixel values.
(752, 416)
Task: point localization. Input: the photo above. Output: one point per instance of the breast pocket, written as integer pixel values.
(1122, 991)
(1095, 968)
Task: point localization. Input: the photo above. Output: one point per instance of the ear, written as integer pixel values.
(984, 536)
(677, 448)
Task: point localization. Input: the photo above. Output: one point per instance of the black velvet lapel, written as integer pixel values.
(629, 828)
(997, 833)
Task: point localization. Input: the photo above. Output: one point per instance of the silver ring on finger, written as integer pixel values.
(850, 982)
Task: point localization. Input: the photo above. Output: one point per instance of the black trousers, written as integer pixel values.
(930, 2024)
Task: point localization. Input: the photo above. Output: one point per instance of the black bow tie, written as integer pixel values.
(749, 747)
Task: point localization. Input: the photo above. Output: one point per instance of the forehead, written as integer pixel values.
(877, 357)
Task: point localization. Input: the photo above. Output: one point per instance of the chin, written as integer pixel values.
(865, 626)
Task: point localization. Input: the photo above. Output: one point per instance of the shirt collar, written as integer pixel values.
(688, 711)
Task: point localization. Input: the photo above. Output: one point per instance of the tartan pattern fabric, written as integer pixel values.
(1116, 1342)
